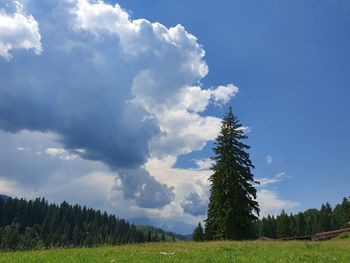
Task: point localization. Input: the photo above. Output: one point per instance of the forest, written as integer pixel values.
(309, 222)
(36, 224)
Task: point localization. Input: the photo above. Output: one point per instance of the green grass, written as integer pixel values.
(252, 251)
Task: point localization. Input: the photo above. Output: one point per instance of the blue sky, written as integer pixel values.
(291, 61)
(116, 107)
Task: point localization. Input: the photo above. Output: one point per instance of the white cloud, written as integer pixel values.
(49, 174)
(183, 132)
(204, 164)
(18, 30)
(184, 181)
(41, 159)
(92, 189)
(145, 81)
(20, 149)
(245, 129)
(136, 73)
(197, 99)
(164, 88)
(270, 203)
(272, 180)
(140, 35)
(195, 181)
(12, 188)
(90, 183)
(269, 159)
(61, 153)
(222, 94)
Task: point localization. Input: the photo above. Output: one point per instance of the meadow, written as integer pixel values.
(249, 251)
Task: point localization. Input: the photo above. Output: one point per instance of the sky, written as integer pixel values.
(115, 105)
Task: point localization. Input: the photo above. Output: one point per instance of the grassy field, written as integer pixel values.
(252, 251)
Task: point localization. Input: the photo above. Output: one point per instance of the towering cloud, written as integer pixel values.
(111, 89)
(18, 30)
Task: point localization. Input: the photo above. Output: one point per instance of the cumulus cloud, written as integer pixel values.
(41, 159)
(90, 183)
(194, 204)
(196, 99)
(183, 132)
(143, 188)
(18, 30)
(270, 203)
(204, 164)
(111, 101)
(192, 190)
(183, 128)
(91, 189)
(119, 90)
(49, 175)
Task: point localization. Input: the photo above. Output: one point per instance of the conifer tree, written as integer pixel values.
(76, 235)
(232, 205)
(198, 233)
(325, 217)
(300, 224)
(283, 225)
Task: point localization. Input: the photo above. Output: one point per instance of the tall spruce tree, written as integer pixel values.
(232, 205)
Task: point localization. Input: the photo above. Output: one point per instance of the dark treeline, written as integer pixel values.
(37, 224)
(310, 222)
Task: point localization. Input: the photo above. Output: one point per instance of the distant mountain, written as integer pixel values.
(4, 197)
(169, 235)
(167, 225)
(188, 237)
